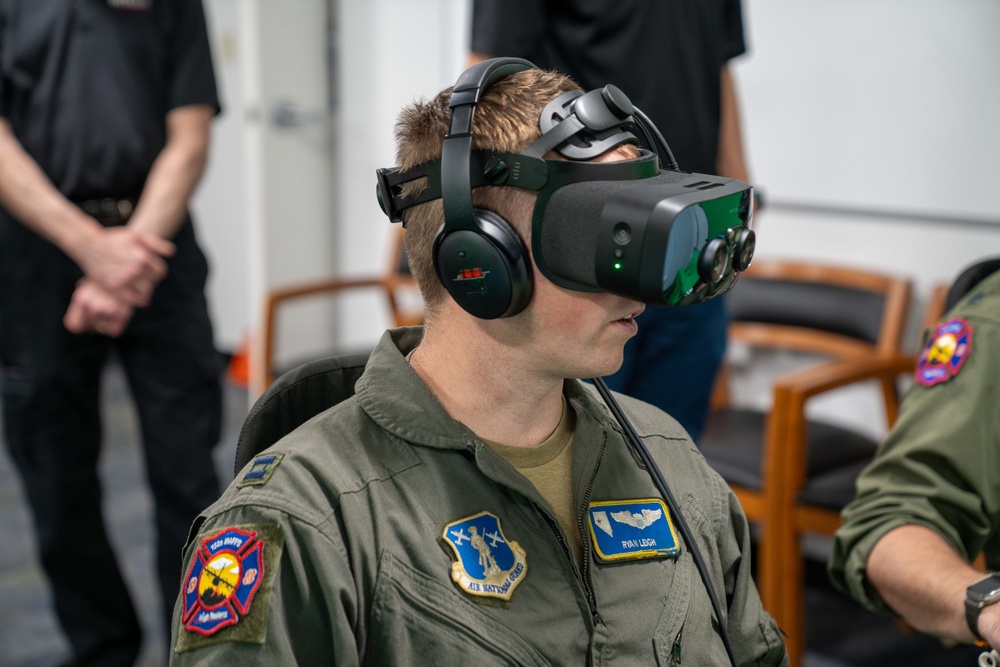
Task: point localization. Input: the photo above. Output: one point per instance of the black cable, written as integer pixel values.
(647, 126)
(661, 486)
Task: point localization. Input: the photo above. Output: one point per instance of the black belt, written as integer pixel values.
(108, 211)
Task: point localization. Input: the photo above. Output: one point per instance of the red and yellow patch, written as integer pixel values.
(222, 581)
(227, 585)
(944, 354)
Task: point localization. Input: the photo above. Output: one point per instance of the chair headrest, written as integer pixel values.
(294, 398)
(971, 276)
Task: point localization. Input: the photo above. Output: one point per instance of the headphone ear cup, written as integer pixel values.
(486, 270)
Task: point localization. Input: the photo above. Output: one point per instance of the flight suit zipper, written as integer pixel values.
(675, 653)
(588, 586)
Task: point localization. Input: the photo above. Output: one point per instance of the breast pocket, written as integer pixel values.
(417, 620)
(668, 636)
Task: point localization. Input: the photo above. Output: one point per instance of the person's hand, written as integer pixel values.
(93, 308)
(127, 263)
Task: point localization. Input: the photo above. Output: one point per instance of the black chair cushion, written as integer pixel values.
(732, 445)
(834, 489)
(294, 398)
(836, 309)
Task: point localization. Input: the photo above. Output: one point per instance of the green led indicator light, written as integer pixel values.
(618, 265)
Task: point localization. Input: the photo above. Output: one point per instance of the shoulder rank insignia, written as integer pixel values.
(220, 586)
(632, 529)
(488, 564)
(261, 469)
(944, 354)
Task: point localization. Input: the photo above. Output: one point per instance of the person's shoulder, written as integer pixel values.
(983, 303)
(661, 433)
(338, 451)
(963, 345)
(648, 419)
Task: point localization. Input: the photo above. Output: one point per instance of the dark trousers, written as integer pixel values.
(50, 387)
(673, 360)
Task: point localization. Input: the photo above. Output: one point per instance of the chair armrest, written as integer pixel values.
(821, 378)
(786, 424)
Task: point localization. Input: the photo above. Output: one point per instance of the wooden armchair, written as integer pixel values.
(791, 473)
(395, 279)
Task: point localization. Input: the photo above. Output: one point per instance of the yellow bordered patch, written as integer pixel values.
(632, 530)
(487, 565)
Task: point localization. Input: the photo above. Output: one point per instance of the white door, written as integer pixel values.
(290, 157)
(291, 182)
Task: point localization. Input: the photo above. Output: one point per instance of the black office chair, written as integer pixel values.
(294, 398)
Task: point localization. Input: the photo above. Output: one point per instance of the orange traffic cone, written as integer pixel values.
(239, 364)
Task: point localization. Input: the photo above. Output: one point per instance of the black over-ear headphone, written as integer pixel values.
(479, 257)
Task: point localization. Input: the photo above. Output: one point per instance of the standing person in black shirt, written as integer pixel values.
(671, 59)
(105, 111)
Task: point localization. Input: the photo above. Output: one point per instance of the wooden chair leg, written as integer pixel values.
(781, 580)
(794, 600)
(768, 572)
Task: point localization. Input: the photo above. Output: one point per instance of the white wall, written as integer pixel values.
(221, 206)
(872, 130)
(391, 52)
(888, 105)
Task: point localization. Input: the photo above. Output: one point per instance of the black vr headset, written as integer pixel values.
(636, 227)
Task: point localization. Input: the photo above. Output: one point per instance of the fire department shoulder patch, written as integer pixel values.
(944, 354)
(227, 586)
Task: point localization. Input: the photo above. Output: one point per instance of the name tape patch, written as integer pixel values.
(632, 530)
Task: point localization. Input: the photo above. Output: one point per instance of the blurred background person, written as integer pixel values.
(672, 60)
(105, 112)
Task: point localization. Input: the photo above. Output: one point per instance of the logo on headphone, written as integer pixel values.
(472, 274)
(473, 281)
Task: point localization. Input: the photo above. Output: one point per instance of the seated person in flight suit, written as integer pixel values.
(474, 502)
(930, 501)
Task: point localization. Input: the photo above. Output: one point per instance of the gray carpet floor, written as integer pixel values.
(840, 633)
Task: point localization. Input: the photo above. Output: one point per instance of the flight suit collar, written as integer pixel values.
(398, 400)
(391, 393)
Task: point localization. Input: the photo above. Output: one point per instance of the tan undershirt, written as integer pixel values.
(549, 467)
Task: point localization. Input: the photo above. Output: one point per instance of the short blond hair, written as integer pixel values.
(506, 120)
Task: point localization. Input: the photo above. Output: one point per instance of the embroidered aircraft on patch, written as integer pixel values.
(632, 529)
(487, 565)
(220, 586)
(945, 352)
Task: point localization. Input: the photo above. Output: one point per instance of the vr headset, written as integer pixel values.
(637, 227)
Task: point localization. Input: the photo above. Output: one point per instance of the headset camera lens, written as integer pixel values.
(622, 233)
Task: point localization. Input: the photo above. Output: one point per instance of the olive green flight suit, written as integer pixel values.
(940, 465)
(354, 568)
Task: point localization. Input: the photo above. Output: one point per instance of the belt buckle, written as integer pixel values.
(108, 211)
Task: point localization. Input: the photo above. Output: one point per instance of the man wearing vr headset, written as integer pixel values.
(473, 502)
